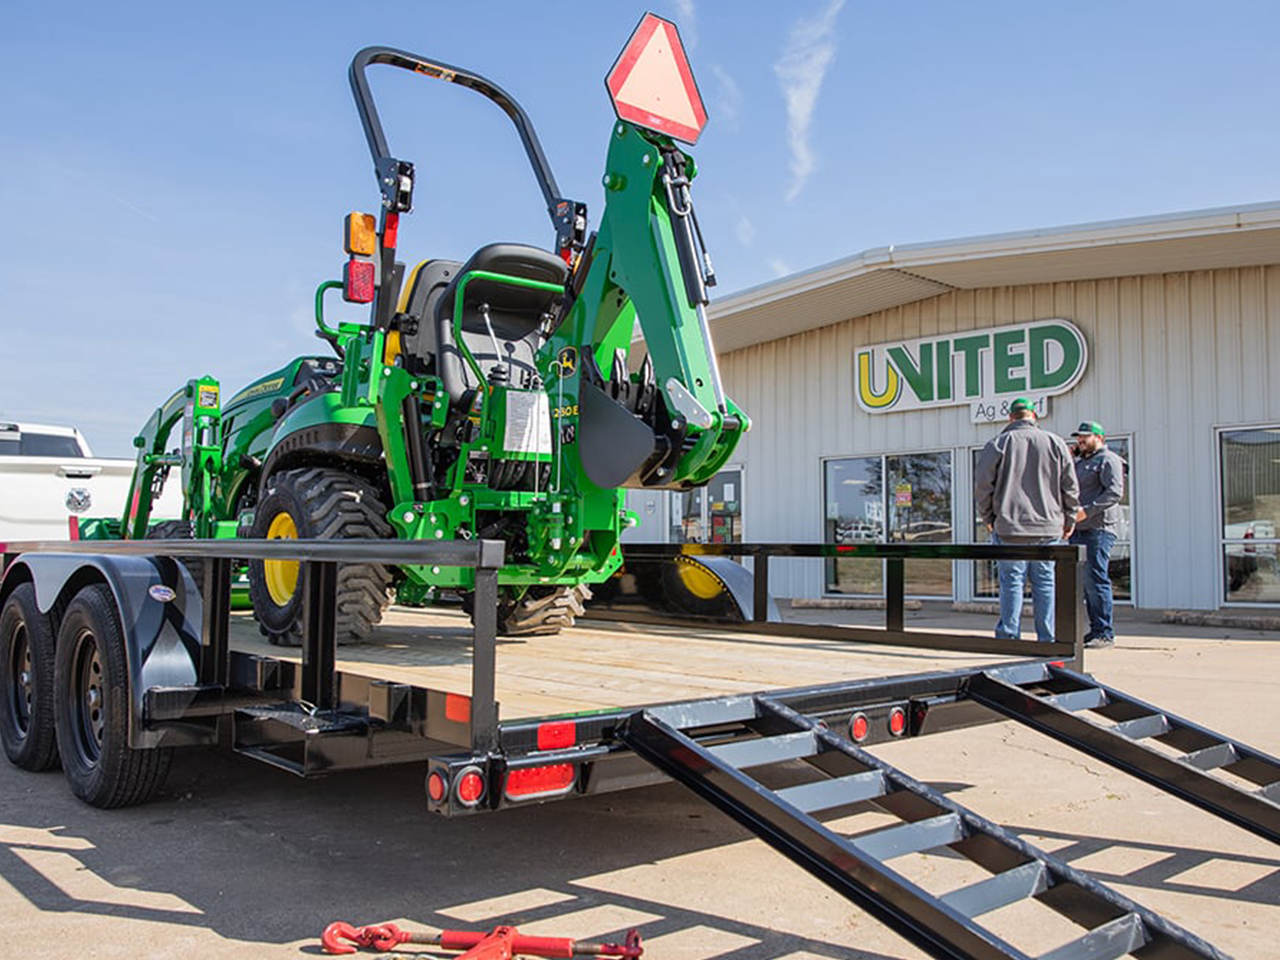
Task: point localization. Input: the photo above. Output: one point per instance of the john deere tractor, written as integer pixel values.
(490, 397)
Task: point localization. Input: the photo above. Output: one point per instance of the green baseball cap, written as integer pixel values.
(1021, 404)
(1088, 427)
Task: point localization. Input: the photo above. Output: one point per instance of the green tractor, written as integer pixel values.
(494, 397)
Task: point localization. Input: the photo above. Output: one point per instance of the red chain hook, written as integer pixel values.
(502, 943)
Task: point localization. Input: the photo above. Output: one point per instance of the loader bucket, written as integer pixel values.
(705, 588)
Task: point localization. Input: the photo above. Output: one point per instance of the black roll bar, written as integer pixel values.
(443, 71)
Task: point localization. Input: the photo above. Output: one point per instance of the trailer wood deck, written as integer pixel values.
(607, 665)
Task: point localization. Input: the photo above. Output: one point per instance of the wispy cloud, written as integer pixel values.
(800, 70)
(780, 268)
(745, 230)
(687, 17)
(728, 97)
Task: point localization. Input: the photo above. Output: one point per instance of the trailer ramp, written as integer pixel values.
(710, 745)
(1165, 750)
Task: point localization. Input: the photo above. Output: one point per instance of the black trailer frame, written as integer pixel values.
(311, 719)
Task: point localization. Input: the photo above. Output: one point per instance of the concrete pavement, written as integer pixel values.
(235, 860)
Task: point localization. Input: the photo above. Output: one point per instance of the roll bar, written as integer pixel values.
(563, 212)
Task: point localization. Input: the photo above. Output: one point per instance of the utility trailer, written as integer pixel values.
(111, 660)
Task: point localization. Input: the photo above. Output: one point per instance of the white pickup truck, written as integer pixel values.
(48, 476)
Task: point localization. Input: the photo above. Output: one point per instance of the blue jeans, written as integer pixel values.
(1097, 579)
(1012, 575)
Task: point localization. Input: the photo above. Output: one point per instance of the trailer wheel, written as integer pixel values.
(26, 657)
(542, 611)
(91, 681)
(319, 504)
(180, 530)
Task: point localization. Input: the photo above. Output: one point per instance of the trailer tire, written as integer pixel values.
(91, 680)
(180, 530)
(542, 611)
(325, 504)
(27, 646)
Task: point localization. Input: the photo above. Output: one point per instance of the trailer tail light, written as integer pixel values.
(357, 281)
(859, 727)
(557, 734)
(470, 787)
(530, 783)
(897, 721)
(360, 234)
(435, 786)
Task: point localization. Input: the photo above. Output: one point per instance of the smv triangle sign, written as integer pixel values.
(652, 86)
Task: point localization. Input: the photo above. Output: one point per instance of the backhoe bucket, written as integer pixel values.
(709, 588)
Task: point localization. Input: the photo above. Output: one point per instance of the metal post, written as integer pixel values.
(215, 651)
(894, 591)
(1068, 601)
(319, 633)
(484, 708)
(760, 591)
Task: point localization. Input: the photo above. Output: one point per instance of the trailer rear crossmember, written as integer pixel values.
(674, 739)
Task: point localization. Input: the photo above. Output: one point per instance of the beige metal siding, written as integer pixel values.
(1171, 358)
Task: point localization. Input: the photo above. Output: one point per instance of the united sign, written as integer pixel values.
(1043, 358)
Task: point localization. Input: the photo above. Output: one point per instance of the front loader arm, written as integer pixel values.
(670, 425)
(197, 404)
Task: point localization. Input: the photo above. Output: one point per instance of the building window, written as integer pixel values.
(986, 584)
(904, 498)
(710, 514)
(1250, 514)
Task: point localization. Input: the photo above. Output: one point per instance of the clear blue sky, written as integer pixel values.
(174, 176)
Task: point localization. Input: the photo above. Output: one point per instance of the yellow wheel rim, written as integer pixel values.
(698, 580)
(281, 575)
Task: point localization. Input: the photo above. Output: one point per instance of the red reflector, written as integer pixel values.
(897, 721)
(435, 787)
(1058, 663)
(470, 787)
(536, 781)
(457, 708)
(390, 230)
(357, 281)
(859, 727)
(73, 528)
(557, 734)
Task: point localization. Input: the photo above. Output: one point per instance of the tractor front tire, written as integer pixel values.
(91, 681)
(542, 611)
(322, 504)
(26, 702)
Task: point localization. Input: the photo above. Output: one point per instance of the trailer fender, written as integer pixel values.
(160, 614)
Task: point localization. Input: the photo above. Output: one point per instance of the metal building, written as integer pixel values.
(873, 381)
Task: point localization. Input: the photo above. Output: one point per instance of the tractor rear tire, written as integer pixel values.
(180, 530)
(542, 611)
(91, 682)
(323, 504)
(26, 703)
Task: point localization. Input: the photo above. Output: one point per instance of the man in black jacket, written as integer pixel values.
(1101, 475)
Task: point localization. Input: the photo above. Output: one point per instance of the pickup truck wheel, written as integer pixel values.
(322, 504)
(26, 657)
(91, 681)
(180, 530)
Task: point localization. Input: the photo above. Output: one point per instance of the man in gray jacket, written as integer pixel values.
(1101, 475)
(1026, 492)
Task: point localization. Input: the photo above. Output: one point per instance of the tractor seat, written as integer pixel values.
(517, 315)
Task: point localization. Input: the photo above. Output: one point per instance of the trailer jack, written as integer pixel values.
(502, 943)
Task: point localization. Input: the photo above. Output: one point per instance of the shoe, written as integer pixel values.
(1099, 643)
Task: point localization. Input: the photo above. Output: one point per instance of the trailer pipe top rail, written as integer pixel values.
(480, 554)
